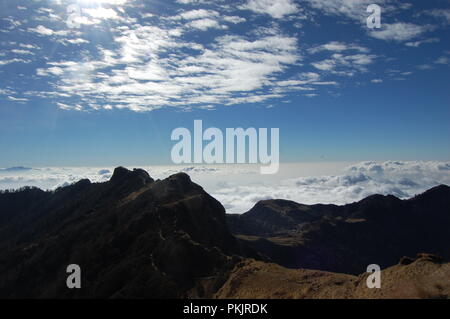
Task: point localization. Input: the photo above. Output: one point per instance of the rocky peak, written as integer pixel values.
(440, 192)
(121, 174)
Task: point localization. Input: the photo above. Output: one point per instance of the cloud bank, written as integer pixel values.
(239, 187)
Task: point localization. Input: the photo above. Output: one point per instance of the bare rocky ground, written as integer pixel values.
(423, 278)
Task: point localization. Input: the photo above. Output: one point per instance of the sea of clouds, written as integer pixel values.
(239, 187)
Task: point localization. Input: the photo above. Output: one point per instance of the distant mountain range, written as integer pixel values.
(135, 237)
(16, 169)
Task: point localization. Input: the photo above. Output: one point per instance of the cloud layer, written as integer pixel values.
(239, 187)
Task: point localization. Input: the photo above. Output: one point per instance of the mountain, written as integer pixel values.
(136, 237)
(131, 236)
(378, 229)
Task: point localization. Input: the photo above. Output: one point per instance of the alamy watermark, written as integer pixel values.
(374, 20)
(74, 16)
(241, 146)
(374, 279)
(74, 279)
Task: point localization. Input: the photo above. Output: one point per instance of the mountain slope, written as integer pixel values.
(378, 229)
(424, 277)
(131, 236)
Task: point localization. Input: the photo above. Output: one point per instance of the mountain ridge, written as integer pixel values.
(154, 244)
(378, 228)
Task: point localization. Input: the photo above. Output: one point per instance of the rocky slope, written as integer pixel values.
(423, 277)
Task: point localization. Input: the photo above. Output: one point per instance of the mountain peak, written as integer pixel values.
(181, 182)
(439, 189)
(121, 174)
(437, 193)
(181, 177)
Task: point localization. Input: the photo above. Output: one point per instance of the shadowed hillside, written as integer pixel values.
(378, 229)
(131, 236)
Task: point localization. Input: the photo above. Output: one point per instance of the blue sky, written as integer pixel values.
(105, 82)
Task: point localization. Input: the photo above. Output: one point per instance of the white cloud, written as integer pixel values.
(425, 67)
(354, 9)
(138, 75)
(28, 46)
(16, 99)
(197, 14)
(40, 29)
(50, 71)
(340, 62)
(275, 8)
(76, 41)
(205, 24)
(234, 19)
(376, 81)
(441, 13)
(192, 1)
(302, 82)
(73, 107)
(20, 51)
(416, 44)
(443, 60)
(337, 46)
(101, 13)
(47, 14)
(108, 2)
(13, 23)
(399, 31)
(5, 62)
(6, 91)
(325, 65)
(203, 19)
(346, 65)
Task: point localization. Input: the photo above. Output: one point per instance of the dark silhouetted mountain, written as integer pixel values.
(131, 236)
(376, 230)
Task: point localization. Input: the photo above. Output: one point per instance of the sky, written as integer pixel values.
(104, 82)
